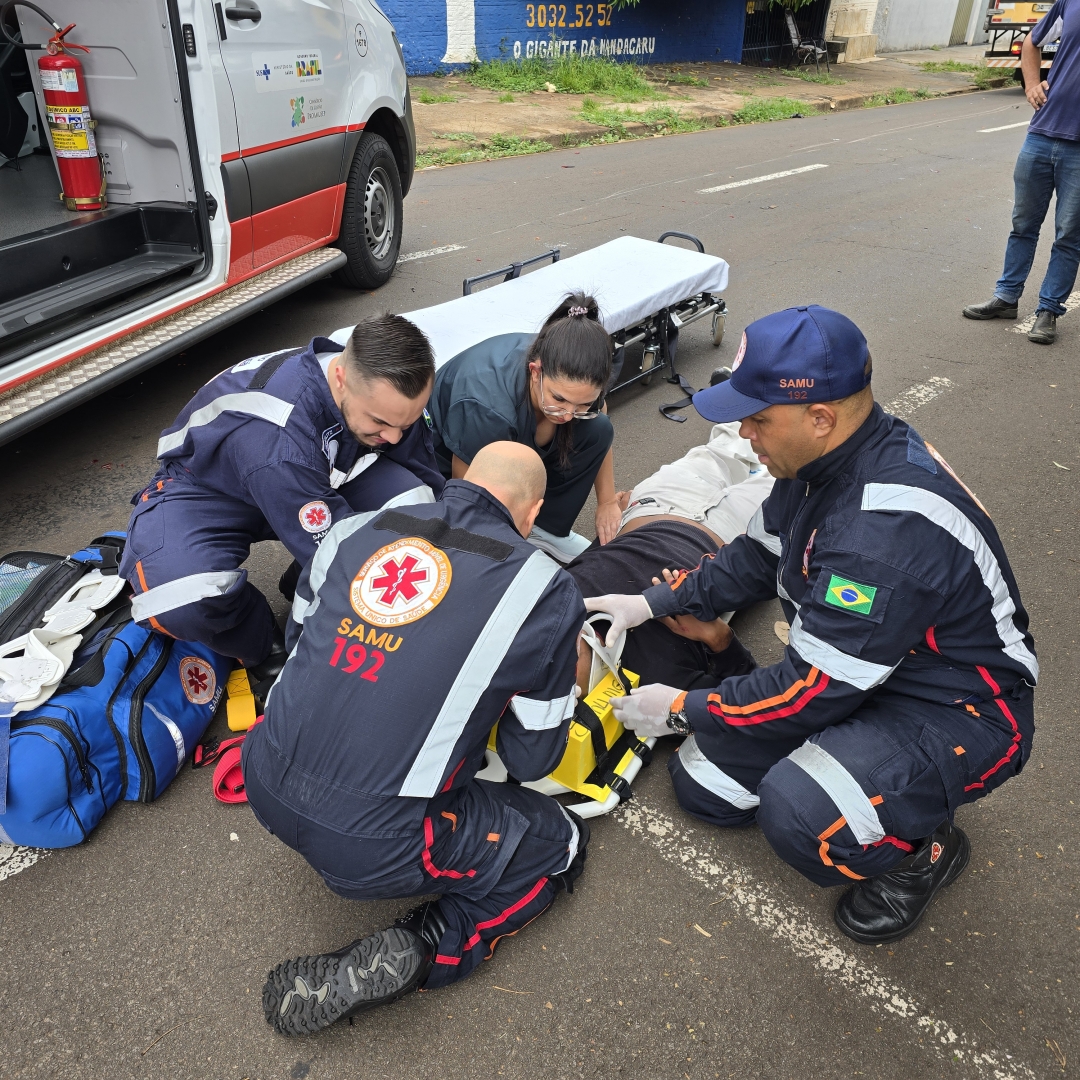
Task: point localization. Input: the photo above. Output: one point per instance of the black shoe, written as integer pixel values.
(307, 994)
(889, 906)
(719, 375)
(565, 879)
(1044, 332)
(994, 308)
(427, 922)
(261, 676)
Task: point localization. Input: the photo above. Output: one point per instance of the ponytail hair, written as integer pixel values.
(573, 345)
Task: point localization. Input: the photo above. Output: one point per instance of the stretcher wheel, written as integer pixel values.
(719, 320)
(650, 361)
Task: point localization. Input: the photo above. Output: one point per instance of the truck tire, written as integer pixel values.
(372, 215)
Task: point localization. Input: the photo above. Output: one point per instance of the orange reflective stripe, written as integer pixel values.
(142, 576)
(452, 818)
(680, 701)
(877, 800)
(779, 699)
(836, 826)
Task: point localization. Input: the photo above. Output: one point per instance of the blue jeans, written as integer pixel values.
(1044, 166)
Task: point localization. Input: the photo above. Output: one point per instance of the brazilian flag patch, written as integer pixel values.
(850, 595)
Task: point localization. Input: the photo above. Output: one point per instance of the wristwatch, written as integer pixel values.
(677, 719)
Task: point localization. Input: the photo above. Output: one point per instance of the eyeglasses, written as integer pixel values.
(556, 412)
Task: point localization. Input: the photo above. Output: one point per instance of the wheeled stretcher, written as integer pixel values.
(645, 289)
(602, 758)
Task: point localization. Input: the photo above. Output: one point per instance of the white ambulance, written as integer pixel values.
(246, 147)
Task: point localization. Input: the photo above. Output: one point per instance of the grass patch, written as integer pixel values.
(457, 136)
(662, 119)
(781, 108)
(498, 146)
(570, 74)
(898, 95)
(426, 97)
(823, 79)
(982, 76)
(685, 80)
(505, 99)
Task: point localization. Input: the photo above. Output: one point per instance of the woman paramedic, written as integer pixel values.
(546, 391)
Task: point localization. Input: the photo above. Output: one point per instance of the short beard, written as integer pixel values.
(361, 439)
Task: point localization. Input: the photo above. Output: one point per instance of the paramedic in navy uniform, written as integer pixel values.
(545, 391)
(278, 447)
(412, 632)
(906, 689)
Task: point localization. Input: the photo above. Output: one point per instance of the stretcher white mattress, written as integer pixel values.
(631, 279)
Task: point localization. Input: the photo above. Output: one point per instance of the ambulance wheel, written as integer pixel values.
(371, 217)
(650, 361)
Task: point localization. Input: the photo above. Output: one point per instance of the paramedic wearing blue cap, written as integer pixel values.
(906, 688)
(278, 447)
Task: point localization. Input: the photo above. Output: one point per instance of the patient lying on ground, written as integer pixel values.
(681, 514)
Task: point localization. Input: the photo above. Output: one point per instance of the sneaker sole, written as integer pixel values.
(305, 995)
(1042, 339)
(1005, 313)
(963, 856)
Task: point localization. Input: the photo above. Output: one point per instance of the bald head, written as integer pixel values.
(515, 475)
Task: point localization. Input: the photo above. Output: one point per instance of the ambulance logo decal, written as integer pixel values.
(198, 680)
(315, 516)
(400, 583)
(739, 355)
(935, 852)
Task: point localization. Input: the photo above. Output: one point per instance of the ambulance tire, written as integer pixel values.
(372, 215)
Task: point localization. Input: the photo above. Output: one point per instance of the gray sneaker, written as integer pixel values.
(1044, 332)
(994, 308)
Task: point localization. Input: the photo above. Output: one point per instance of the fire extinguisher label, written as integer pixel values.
(69, 126)
(66, 80)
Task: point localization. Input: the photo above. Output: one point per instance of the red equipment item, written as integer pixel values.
(67, 111)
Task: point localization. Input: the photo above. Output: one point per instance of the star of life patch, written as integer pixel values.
(315, 516)
(197, 679)
(850, 595)
(400, 583)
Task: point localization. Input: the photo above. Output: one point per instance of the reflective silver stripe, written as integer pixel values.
(337, 477)
(413, 497)
(942, 513)
(861, 674)
(713, 779)
(843, 789)
(249, 402)
(324, 556)
(783, 594)
(756, 531)
(487, 654)
(185, 590)
(542, 715)
(174, 731)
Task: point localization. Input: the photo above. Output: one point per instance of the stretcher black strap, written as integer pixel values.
(267, 368)
(689, 391)
(584, 716)
(437, 532)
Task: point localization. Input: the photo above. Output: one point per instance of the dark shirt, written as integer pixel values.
(1059, 118)
(628, 564)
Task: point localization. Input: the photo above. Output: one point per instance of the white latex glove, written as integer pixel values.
(627, 610)
(646, 710)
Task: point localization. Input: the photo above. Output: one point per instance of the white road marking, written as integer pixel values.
(1025, 325)
(916, 396)
(796, 929)
(1004, 127)
(760, 179)
(413, 255)
(14, 860)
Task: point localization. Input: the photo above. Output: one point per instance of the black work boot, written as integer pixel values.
(889, 906)
(565, 878)
(310, 993)
(261, 676)
(1044, 332)
(994, 308)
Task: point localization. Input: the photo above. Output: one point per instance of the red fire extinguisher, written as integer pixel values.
(67, 112)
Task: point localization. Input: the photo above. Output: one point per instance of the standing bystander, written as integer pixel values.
(1049, 162)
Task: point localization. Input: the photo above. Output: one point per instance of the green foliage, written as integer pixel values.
(497, 146)
(779, 108)
(570, 74)
(823, 78)
(426, 97)
(685, 80)
(898, 96)
(506, 98)
(660, 119)
(982, 76)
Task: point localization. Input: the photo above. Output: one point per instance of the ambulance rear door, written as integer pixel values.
(288, 65)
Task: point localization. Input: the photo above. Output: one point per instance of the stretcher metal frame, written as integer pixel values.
(654, 331)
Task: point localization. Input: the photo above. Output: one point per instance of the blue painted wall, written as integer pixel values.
(655, 31)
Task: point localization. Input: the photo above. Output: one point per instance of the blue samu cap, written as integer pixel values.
(793, 357)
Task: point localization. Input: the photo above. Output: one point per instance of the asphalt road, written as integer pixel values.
(684, 951)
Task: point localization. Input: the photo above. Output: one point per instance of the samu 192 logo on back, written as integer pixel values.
(400, 583)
